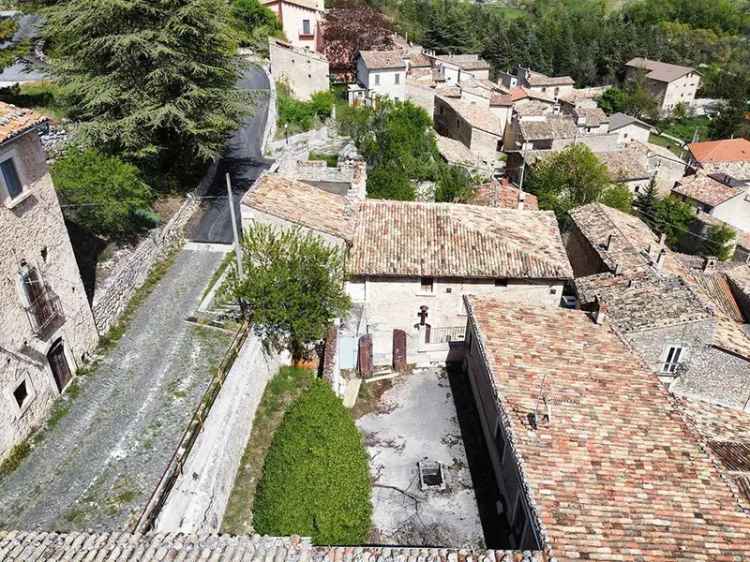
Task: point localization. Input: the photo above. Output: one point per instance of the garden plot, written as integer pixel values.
(414, 424)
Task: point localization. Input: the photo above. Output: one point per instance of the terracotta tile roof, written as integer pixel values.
(518, 93)
(15, 121)
(615, 473)
(454, 240)
(660, 71)
(152, 547)
(309, 4)
(531, 107)
(502, 194)
(501, 100)
(562, 127)
(729, 150)
(303, 205)
(455, 151)
(418, 60)
(624, 165)
(591, 116)
(730, 336)
(539, 79)
(475, 115)
(465, 61)
(739, 278)
(706, 190)
(715, 287)
(377, 60)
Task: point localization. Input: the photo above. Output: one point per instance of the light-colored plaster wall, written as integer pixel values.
(291, 17)
(385, 84)
(682, 90)
(305, 72)
(32, 228)
(735, 211)
(484, 145)
(632, 132)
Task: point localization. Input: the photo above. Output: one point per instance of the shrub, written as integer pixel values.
(303, 115)
(389, 182)
(315, 480)
(106, 195)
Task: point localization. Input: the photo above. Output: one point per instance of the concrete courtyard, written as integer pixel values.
(415, 420)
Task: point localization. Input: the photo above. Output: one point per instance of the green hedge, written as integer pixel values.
(315, 480)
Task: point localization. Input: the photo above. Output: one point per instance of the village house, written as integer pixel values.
(502, 193)
(300, 20)
(670, 84)
(379, 73)
(477, 127)
(717, 195)
(453, 69)
(539, 132)
(553, 87)
(408, 264)
(48, 327)
(456, 153)
(662, 164)
(730, 157)
(304, 71)
(592, 457)
(626, 167)
(628, 128)
(684, 323)
(589, 120)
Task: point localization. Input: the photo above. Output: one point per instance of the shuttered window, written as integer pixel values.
(10, 177)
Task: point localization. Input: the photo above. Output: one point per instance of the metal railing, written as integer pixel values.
(43, 310)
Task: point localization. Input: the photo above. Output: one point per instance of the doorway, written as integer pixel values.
(59, 365)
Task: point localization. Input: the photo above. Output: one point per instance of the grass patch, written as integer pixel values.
(685, 128)
(331, 160)
(316, 481)
(228, 258)
(283, 389)
(44, 97)
(369, 397)
(15, 457)
(673, 147)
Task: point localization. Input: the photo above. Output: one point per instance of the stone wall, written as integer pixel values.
(131, 271)
(350, 176)
(34, 237)
(306, 72)
(584, 259)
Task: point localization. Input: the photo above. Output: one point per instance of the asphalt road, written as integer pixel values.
(243, 159)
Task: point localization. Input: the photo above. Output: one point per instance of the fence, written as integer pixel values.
(176, 463)
(447, 335)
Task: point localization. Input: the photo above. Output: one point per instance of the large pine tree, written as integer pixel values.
(151, 80)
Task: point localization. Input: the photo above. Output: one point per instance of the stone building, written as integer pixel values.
(48, 327)
(592, 457)
(627, 168)
(629, 128)
(730, 157)
(684, 323)
(453, 69)
(305, 71)
(553, 87)
(670, 84)
(300, 20)
(717, 195)
(477, 127)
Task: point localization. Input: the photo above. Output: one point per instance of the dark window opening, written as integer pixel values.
(10, 176)
(21, 393)
(306, 27)
(427, 284)
(501, 282)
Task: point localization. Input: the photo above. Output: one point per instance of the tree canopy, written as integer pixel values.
(152, 81)
(253, 23)
(293, 286)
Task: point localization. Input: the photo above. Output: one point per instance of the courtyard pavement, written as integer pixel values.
(416, 419)
(96, 468)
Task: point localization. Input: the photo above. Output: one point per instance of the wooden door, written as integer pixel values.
(59, 365)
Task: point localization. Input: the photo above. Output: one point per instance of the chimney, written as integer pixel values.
(660, 259)
(709, 263)
(610, 240)
(521, 199)
(600, 311)
(618, 269)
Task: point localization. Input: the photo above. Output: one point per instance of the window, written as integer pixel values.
(21, 394)
(10, 178)
(397, 78)
(377, 79)
(673, 359)
(305, 27)
(427, 284)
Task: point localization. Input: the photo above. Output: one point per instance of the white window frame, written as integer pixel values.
(671, 359)
(25, 191)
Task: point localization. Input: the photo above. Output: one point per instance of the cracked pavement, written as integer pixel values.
(97, 467)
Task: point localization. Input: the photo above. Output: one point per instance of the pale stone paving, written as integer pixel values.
(98, 466)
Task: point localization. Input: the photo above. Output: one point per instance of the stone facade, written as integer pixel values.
(305, 71)
(43, 301)
(395, 303)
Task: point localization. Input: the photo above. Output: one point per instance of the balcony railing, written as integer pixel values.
(43, 311)
(447, 334)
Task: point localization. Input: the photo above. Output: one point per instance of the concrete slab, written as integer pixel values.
(351, 392)
(416, 420)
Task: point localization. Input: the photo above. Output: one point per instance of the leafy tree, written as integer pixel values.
(618, 196)
(454, 185)
(106, 195)
(567, 179)
(292, 286)
(11, 51)
(350, 28)
(612, 100)
(302, 115)
(387, 182)
(254, 22)
(718, 242)
(672, 217)
(315, 479)
(639, 102)
(153, 81)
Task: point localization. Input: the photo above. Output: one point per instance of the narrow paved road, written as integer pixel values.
(98, 466)
(243, 159)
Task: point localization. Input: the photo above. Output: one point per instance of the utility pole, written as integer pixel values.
(523, 169)
(237, 248)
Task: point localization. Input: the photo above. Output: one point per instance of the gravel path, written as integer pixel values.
(98, 466)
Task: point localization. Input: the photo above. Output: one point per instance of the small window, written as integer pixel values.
(427, 284)
(673, 359)
(10, 178)
(377, 79)
(397, 78)
(306, 27)
(501, 282)
(21, 394)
